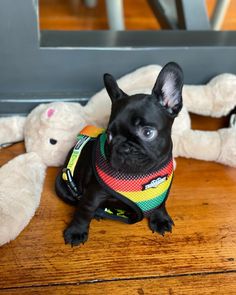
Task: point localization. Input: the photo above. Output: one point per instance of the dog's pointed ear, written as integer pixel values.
(112, 88)
(168, 88)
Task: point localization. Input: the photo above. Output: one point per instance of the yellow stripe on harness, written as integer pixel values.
(84, 136)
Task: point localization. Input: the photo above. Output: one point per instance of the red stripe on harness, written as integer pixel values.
(118, 183)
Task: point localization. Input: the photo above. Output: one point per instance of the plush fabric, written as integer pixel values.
(11, 130)
(21, 182)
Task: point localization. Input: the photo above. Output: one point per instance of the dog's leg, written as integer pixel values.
(77, 231)
(160, 221)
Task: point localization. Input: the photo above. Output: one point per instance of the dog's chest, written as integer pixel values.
(147, 191)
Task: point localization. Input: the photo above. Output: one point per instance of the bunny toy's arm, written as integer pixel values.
(21, 184)
(11, 130)
(218, 146)
(217, 98)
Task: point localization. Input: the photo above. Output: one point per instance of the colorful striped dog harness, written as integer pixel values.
(143, 193)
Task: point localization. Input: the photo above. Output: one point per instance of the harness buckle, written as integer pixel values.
(67, 177)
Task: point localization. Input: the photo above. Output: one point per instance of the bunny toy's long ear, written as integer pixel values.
(11, 130)
(21, 183)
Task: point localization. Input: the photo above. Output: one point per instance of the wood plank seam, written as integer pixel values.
(89, 282)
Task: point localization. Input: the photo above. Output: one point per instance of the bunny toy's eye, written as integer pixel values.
(53, 141)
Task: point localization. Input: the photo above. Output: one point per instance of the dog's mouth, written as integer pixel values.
(127, 158)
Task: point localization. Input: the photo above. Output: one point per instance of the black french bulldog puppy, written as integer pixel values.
(136, 145)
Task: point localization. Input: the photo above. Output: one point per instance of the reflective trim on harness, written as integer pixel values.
(81, 142)
(85, 135)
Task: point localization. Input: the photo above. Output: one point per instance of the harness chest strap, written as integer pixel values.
(143, 193)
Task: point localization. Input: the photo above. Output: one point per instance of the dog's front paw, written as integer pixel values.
(75, 236)
(161, 224)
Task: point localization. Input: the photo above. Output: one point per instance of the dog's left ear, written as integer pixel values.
(112, 88)
(168, 87)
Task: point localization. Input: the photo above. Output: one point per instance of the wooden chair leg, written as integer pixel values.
(219, 13)
(115, 14)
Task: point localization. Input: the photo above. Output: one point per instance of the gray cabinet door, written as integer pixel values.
(42, 66)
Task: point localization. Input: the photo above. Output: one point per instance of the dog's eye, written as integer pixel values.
(147, 133)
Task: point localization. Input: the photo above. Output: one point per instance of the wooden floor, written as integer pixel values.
(199, 257)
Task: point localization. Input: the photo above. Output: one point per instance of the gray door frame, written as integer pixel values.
(42, 66)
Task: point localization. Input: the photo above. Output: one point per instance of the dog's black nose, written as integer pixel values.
(124, 149)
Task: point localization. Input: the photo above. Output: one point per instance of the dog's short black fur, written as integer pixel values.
(139, 140)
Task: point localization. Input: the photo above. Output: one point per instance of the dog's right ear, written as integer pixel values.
(168, 88)
(112, 88)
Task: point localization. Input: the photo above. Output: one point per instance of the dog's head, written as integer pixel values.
(139, 130)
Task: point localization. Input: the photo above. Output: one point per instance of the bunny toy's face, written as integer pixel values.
(51, 129)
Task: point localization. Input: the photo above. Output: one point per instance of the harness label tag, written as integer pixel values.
(154, 182)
